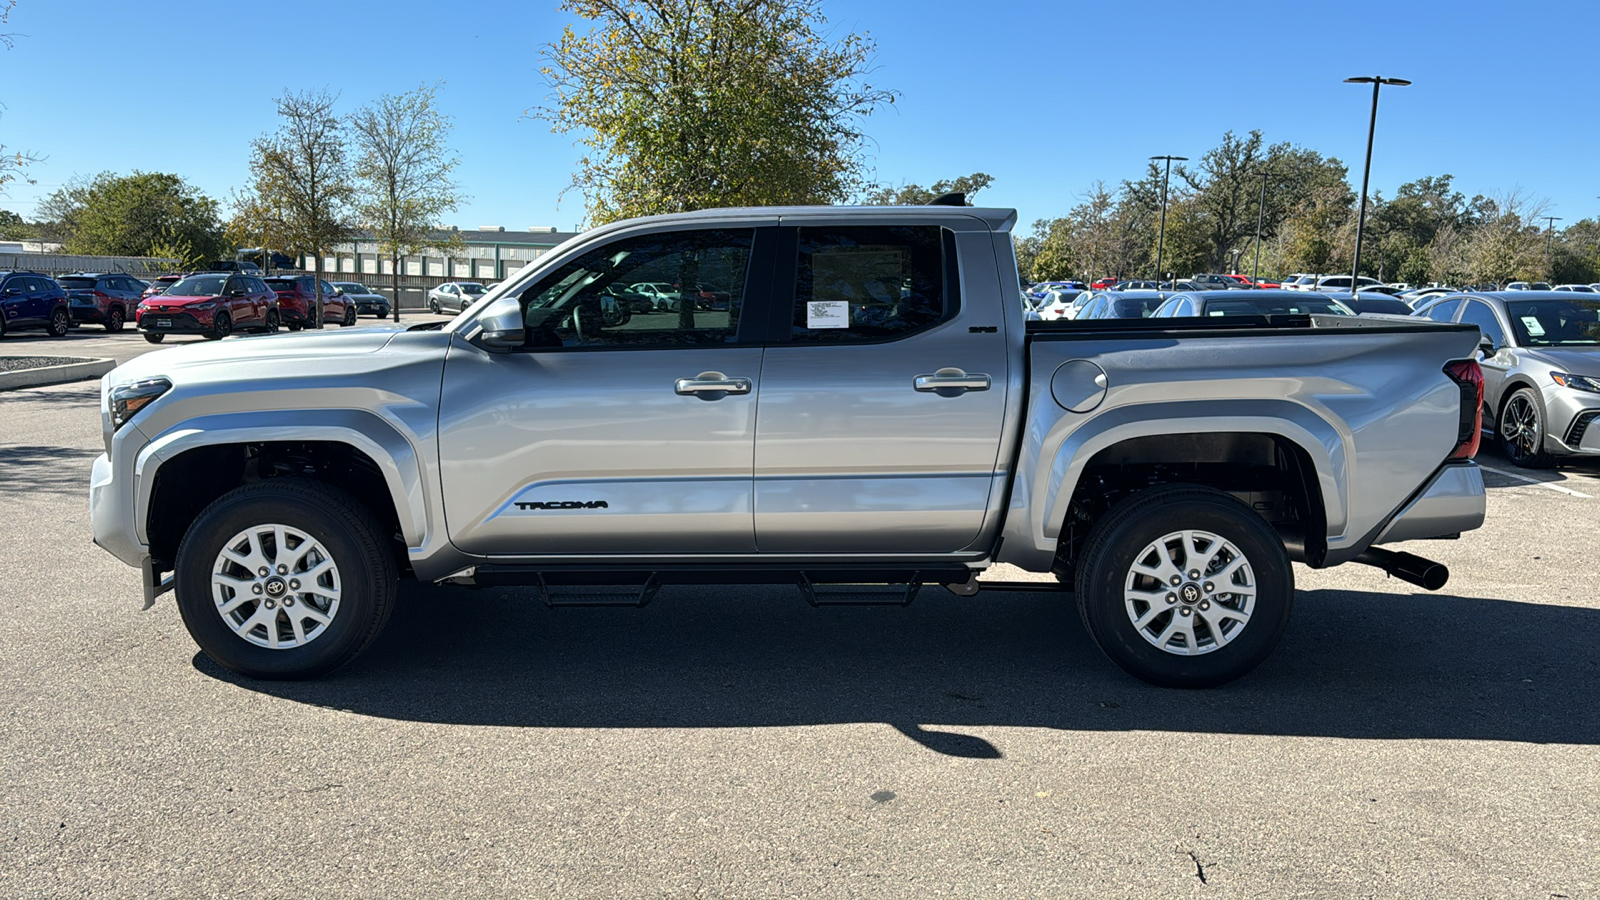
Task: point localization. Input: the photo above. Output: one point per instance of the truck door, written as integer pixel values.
(883, 392)
(607, 434)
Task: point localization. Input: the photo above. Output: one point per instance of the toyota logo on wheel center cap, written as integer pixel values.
(1191, 593)
(276, 587)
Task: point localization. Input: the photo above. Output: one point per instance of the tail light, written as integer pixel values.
(1466, 374)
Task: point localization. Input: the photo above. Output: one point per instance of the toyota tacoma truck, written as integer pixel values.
(866, 415)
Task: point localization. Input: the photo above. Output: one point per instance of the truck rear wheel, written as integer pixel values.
(284, 578)
(1185, 587)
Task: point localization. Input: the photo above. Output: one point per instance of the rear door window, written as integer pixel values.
(869, 283)
(1478, 313)
(1443, 311)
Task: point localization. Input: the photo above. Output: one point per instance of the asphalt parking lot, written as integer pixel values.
(735, 742)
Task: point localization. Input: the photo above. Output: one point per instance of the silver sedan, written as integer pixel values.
(1541, 369)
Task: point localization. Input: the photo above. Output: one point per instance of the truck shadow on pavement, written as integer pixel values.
(1353, 665)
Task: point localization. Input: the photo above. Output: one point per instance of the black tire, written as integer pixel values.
(154, 338)
(433, 306)
(349, 317)
(355, 541)
(60, 323)
(115, 320)
(221, 327)
(1120, 539)
(1523, 414)
(295, 326)
(270, 325)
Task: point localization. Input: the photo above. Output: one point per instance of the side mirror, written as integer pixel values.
(502, 324)
(1486, 345)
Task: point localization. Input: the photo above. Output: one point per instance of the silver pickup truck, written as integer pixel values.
(847, 400)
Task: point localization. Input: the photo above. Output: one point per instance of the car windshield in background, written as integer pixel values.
(470, 288)
(198, 286)
(1308, 306)
(1546, 323)
(1135, 307)
(71, 283)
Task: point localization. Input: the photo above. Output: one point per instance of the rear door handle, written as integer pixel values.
(711, 386)
(950, 382)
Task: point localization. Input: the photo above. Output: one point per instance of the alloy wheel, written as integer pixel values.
(275, 586)
(1189, 592)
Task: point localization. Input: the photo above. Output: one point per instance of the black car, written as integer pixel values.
(30, 300)
(102, 299)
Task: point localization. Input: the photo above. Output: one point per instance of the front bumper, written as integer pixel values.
(163, 322)
(1574, 422)
(371, 306)
(1451, 503)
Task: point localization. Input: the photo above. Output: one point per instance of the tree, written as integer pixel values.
(300, 193)
(690, 105)
(402, 171)
(13, 228)
(130, 215)
(1508, 244)
(917, 195)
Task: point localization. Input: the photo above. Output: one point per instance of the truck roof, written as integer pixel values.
(1000, 220)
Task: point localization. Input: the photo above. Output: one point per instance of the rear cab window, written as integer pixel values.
(872, 283)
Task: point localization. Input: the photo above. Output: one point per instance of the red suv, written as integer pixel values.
(106, 299)
(297, 298)
(214, 305)
(161, 283)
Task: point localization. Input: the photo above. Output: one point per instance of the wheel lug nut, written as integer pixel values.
(294, 584)
(288, 601)
(1176, 581)
(265, 572)
(273, 605)
(1172, 598)
(1204, 604)
(1193, 574)
(1184, 611)
(283, 569)
(255, 588)
(1210, 587)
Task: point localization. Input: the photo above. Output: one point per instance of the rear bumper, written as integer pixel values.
(88, 313)
(1451, 503)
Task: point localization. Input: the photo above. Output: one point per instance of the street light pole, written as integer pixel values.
(1261, 211)
(1377, 81)
(1550, 232)
(1161, 236)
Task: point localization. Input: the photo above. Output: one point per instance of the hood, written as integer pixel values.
(255, 356)
(174, 301)
(1578, 361)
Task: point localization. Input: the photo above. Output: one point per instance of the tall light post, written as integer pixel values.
(1161, 236)
(1377, 81)
(1550, 232)
(1261, 211)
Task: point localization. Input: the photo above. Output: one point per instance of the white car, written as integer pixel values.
(454, 296)
(1342, 283)
(1580, 288)
(1063, 304)
(664, 296)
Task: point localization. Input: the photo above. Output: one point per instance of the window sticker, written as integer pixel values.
(828, 314)
(1533, 326)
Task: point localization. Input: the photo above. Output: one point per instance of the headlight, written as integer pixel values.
(128, 399)
(204, 307)
(1588, 383)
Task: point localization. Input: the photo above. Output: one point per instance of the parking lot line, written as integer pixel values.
(1526, 480)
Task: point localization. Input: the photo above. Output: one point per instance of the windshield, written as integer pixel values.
(1546, 323)
(198, 286)
(71, 283)
(1275, 307)
(468, 287)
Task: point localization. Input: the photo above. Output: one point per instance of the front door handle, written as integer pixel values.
(950, 383)
(711, 386)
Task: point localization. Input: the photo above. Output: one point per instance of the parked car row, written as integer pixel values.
(213, 303)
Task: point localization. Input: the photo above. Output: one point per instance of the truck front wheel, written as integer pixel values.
(284, 578)
(1185, 587)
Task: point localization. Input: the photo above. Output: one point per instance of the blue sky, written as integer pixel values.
(1046, 97)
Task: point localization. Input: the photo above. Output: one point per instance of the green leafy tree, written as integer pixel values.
(692, 105)
(13, 228)
(402, 172)
(1054, 259)
(917, 195)
(1576, 258)
(129, 215)
(1507, 244)
(300, 193)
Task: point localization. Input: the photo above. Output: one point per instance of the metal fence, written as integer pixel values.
(62, 263)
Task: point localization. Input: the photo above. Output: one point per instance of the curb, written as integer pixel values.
(62, 374)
